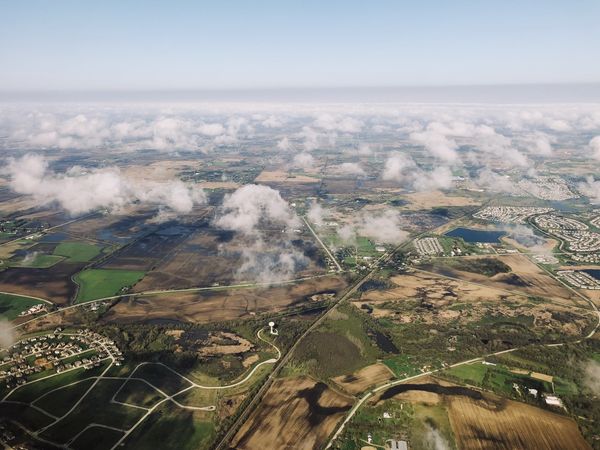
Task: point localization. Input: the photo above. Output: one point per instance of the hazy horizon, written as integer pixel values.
(499, 94)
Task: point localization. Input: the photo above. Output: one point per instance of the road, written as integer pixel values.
(148, 411)
(162, 292)
(339, 268)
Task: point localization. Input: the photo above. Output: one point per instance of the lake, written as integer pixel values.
(593, 272)
(471, 235)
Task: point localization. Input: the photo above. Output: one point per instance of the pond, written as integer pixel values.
(471, 235)
(593, 272)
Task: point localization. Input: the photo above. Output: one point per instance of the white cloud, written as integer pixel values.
(79, 191)
(304, 160)
(594, 145)
(316, 213)
(349, 168)
(397, 167)
(248, 206)
(7, 334)
(382, 227)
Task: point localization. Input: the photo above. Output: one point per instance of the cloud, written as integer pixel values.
(397, 167)
(439, 178)
(591, 376)
(304, 160)
(268, 264)
(539, 144)
(382, 227)
(284, 144)
(594, 145)
(591, 189)
(7, 334)
(316, 213)
(211, 129)
(436, 143)
(79, 191)
(253, 204)
(495, 182)
(404, 170)
(349, 168)
(434, 439)
(331, 122)
(246, 211)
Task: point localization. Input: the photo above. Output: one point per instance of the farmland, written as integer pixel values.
(98, 283)
(12, 305)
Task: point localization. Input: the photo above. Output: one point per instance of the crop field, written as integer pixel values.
(509, 425)
(77, 251)
(98, 283)
(175, 429)
(295, 413)
(53, 283)
(95, 408)
(362, 379)
(37, 261)
(219, 305)
(524, 277)
(12, 305)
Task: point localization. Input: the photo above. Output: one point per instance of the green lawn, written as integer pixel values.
(173, 428)
(99, 283)
(470, 373)
(38, 261)
(12, 305)
(77, 251)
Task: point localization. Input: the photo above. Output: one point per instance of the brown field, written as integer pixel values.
(227, 304)
(502, 424)
(53, 284)
(426, 200)
(297, 413)
(531, 280)
(362, 379)
(429, 298)
(280, 176)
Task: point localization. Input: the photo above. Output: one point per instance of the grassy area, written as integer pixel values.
(470, 373)
(59, 402)
(401, 366)
(30, 392)
(340, 346)
(138, 393)
(77, 251)
(162, 378)
(97, 437)
(12, 305)
(174, 428)
(95, 408)
(38, 261)
(99, 283)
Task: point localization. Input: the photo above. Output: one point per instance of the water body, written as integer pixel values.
(472, 236)
(593, 272)
(431, 387)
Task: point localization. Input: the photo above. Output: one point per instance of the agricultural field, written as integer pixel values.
(98, 283)
(297, 412)
(13, 305)
(77, 251)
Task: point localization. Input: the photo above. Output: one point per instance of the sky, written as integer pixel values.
(174, 45)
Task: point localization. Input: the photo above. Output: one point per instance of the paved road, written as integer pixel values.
(339, 268)
(165, 292)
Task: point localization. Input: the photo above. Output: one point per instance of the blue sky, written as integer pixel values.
(54, 44)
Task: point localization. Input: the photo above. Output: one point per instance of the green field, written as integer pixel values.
(77, 251)
(12, 305)
(173, 428)
(99, 283)
(38, 261)
(60, 401)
